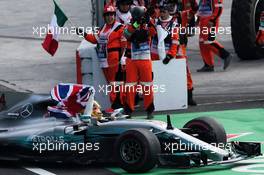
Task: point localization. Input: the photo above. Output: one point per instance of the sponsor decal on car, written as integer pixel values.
(234, 136)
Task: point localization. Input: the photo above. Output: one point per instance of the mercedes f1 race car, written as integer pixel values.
(27, 132)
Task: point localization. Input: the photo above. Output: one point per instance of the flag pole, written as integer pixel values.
(71, 23)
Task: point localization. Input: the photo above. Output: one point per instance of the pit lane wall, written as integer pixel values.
(170, 82)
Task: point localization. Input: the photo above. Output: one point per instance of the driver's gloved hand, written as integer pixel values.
(167, 59)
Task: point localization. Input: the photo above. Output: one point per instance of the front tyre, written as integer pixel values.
(137, 150)
(208, 130)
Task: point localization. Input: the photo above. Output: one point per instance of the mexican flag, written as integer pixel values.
(50, 43)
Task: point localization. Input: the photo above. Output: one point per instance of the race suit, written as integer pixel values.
(139, 65)
(187, 9)
(172, 45)
(209, 13)
(110, 45)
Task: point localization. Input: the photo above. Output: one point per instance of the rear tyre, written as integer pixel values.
(137, 150)
(208, 130)
(245, 21)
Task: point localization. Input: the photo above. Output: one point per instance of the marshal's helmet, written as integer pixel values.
(109, 8)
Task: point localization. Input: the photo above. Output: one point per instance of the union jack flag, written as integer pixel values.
(71, 98)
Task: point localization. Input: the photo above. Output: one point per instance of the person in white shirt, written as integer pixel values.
(123, 14)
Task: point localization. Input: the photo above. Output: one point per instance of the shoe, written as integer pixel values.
(227, 61)
(191, 101)
(150, 116)
(206, 68)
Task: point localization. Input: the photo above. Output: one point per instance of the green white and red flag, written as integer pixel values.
(51, 41)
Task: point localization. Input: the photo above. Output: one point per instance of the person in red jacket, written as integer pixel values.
(172, 46)
(260, 35)
(209, 13)
(186, 10)
(138, 62)
(183, 13)
(110, 47)
(171, 42)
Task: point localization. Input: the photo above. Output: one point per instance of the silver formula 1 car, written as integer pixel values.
(137, 146)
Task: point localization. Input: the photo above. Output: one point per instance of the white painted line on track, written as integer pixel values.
(230, 102)
(39, 171)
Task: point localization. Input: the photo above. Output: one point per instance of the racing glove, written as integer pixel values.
(136, 25)
(167, 59)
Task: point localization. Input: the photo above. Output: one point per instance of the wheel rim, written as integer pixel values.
(131, 151)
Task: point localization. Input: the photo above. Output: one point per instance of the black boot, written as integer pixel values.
(227, 61)
(226, 56)
(128, 111)
(117, 103)
(150, 111)
(191, 102)
(206, 68)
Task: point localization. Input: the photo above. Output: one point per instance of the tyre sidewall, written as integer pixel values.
(150, 147)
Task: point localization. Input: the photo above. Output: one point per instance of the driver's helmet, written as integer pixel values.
(97, 113)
